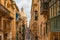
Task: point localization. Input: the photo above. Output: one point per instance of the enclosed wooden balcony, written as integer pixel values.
(5, 12)
(44, 7)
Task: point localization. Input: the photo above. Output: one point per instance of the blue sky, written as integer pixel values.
(27, 6)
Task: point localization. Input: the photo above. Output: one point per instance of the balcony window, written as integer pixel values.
(36, 16)
(52, 25)
(17, 16)
(50, 13)
(58, 12)
(45, 5)
(58, 25)
(55, 10)
(55, 25)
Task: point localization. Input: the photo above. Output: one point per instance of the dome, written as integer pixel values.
(23, 14)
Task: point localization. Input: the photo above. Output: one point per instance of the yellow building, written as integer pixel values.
(8, 10)
(35, 20)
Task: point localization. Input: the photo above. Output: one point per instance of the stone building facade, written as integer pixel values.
(51, 10)
(8, 10)
(35, 22)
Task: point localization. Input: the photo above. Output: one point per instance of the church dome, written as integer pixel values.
(23, 14)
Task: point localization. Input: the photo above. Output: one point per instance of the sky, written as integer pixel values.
(26, 4)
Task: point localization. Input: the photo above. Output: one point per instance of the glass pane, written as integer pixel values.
(52, 25)
(58, 8)
(50, 13)
(58, 25)
(55, 9)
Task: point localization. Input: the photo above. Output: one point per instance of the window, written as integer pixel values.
(55, 10)
(8, 5)
(46, 28)
(5, 2)
(16, 16)
(44, 31)
(58, 25)
(36, 16)
(50, 13)
(52, 25)
(58, 8)
(41, 29)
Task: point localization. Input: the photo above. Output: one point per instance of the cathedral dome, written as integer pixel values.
(23, 14)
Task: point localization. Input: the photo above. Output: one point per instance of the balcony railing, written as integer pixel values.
(44, 7)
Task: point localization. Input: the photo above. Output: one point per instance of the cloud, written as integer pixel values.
(27, 6)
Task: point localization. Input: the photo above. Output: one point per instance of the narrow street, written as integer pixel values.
(29, 19)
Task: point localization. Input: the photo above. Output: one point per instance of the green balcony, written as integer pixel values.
(55, 24)
(44, 7)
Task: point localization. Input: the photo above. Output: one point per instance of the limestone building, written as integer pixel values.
(35, 22)
(8, 10)
(52, 26)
